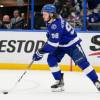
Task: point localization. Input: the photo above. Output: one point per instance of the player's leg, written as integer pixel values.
(80, 59)
(53, 60)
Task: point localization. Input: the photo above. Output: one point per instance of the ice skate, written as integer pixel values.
(58, 86)
(97, 84)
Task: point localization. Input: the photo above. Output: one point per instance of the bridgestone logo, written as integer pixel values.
(19, 46)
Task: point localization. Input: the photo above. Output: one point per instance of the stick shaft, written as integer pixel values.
(29, 66)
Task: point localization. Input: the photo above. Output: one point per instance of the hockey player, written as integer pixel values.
(62, 39)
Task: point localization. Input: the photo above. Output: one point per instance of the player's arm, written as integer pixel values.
(49, 47)
(51, 44)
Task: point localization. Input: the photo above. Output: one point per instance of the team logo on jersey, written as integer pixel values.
(54, 26)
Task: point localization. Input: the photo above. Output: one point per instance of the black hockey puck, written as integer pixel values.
(5, 92)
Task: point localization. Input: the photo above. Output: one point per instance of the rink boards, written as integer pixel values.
(17, 48)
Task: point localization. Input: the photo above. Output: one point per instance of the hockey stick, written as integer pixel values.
(28, 68)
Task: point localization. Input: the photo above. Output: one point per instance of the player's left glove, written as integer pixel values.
(37, 56)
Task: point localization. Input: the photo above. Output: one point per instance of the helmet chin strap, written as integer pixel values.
(49, 19)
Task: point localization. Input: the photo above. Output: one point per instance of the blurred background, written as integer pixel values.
(83, 15)
(15, 14)
(71, 10)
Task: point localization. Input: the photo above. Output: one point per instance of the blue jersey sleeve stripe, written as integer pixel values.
(48, 48)
(53, 44)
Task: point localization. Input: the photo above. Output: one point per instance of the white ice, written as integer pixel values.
(35, 85)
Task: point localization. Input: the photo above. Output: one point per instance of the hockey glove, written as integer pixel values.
(37, 56)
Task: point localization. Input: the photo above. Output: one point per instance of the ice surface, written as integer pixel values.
(35, 85)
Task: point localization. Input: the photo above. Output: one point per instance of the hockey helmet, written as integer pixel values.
(50, 8)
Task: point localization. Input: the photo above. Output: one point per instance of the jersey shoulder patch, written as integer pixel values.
(53, 26)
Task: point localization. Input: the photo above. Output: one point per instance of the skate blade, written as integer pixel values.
(60, 89)
(98, 89)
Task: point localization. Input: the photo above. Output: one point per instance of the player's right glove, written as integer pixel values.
(37, 56)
